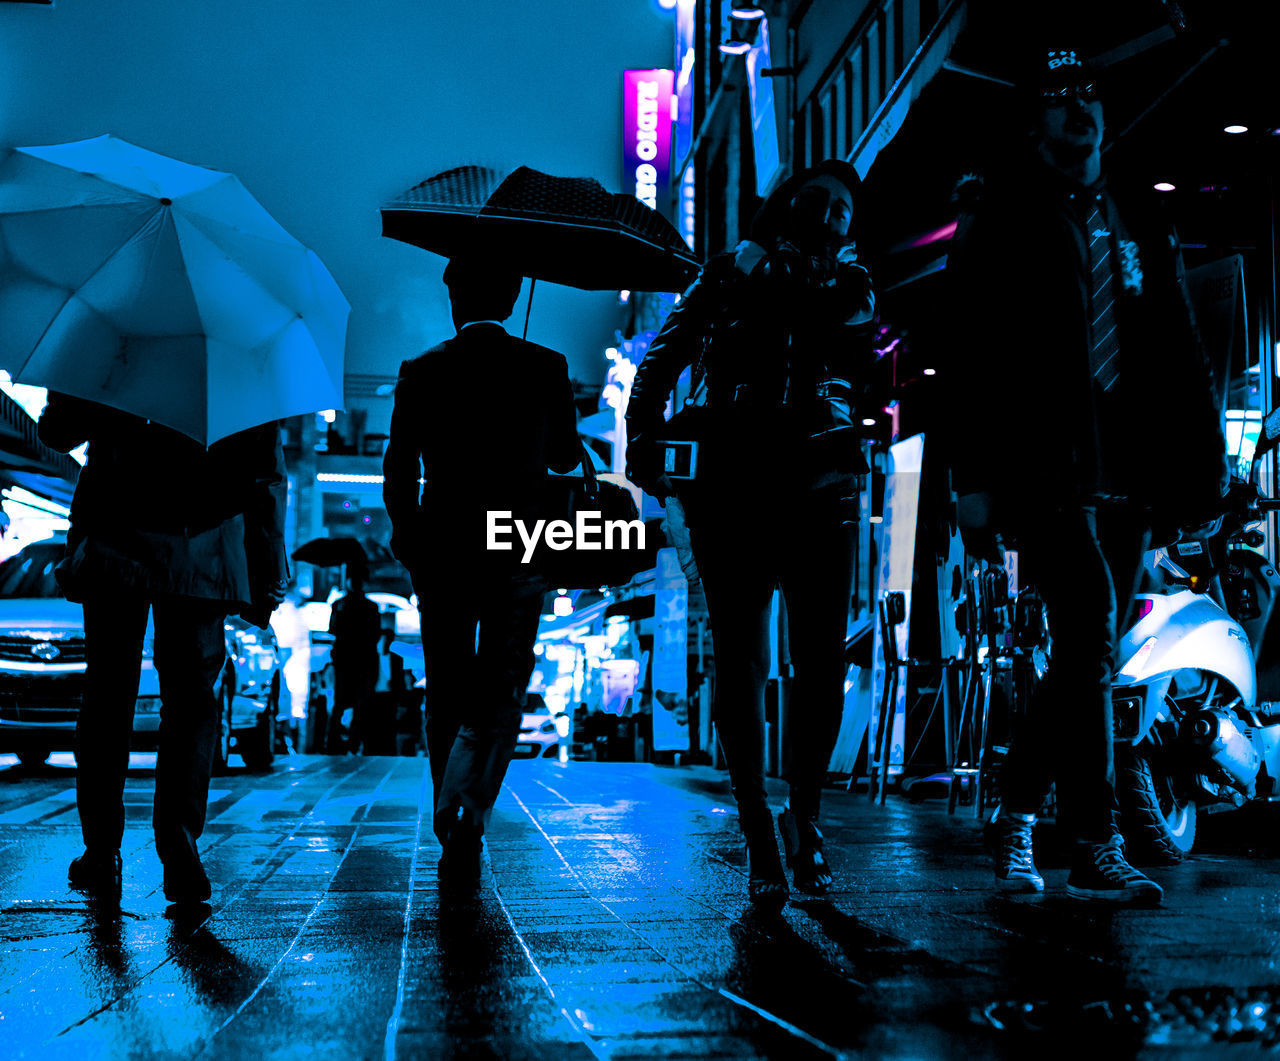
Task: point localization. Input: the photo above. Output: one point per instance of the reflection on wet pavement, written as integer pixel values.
(614, 924)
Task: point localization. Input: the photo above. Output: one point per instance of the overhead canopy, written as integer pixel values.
(27, 462)
(922, 68)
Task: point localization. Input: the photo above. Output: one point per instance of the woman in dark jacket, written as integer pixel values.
(161, 524)
(774, 329)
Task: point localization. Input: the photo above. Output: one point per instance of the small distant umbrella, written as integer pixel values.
(332, 552)
(565, 230)
(161, 289)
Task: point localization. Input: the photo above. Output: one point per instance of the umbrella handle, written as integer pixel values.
(529, 308)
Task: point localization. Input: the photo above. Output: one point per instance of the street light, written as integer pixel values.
(743, 26)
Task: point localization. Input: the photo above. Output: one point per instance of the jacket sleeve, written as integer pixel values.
(674, 347)
(265, 510)
(564, 447)
(402, 462)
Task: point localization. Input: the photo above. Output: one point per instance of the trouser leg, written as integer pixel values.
(1067, 732)
(817, 581)
(739, 585)
(490, 726)
(114, 628)
(190, 651)
(449, 649)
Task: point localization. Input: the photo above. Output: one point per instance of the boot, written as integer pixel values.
(1100, 873)
(97, 873)
(1010, 838)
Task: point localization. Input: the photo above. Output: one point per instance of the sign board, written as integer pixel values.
(764, 117)
(670, 655)
(646, 131)
(897, 552)
(685, 57)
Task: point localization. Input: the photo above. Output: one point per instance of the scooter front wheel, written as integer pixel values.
(1159, 824)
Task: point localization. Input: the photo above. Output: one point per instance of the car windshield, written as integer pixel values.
(29, 573)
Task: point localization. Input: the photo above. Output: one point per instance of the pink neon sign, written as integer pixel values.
(646, 130)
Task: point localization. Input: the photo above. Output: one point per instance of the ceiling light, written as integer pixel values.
(1163, 186)
(1235, 129)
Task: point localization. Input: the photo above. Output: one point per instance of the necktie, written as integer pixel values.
(1104, 344)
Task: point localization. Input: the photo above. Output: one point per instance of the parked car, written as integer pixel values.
(42, 664)
(539, 737)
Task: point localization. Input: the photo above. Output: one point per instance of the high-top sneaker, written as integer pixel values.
(1014, 865)
(1100, 873)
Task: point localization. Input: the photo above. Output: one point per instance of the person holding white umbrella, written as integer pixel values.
(160, 523)
(175, 323)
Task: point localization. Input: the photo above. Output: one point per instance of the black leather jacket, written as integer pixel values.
(766, 332)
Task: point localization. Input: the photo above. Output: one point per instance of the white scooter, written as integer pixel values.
(1190, 729)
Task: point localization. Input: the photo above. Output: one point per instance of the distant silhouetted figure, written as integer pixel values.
(161, 524)
(356, 627)
(774, 329)
(481, 416)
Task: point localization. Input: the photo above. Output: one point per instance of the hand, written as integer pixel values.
(274, 594)
(981, 540)
(973, 511)
(402, 551)
(644, 465)
(788, 261)
(983, 545)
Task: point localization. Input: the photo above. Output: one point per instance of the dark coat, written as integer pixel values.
(356, 626)
(156, 514)
(763, 332)
(1025, 423)
(481, 417)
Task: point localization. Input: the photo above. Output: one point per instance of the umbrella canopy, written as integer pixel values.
(332, 552)
(567, 230)
(162, 289)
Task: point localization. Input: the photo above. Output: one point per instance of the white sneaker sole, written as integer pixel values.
(1117, 896)
(1019, 885)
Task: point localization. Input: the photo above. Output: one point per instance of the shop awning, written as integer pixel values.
(27, 462)
(922, 68)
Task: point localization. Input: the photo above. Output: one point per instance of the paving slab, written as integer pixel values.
(612, 923)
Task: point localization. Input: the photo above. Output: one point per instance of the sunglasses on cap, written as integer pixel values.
(1082, 90)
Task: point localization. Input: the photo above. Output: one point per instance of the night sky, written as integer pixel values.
(325, 110)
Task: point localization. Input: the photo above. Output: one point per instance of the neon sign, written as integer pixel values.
(646, 121)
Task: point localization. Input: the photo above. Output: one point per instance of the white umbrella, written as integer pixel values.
(162, 289)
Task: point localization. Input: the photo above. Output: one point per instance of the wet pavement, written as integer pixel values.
(614, 925)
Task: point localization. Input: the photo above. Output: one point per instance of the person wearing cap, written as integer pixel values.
(1084, 414)
(773, 330)
(479, 609)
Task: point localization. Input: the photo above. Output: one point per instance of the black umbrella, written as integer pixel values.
(332, 552)
(566, 230)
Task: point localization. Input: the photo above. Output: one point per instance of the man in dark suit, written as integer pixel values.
(479, 418)
(160, 523)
